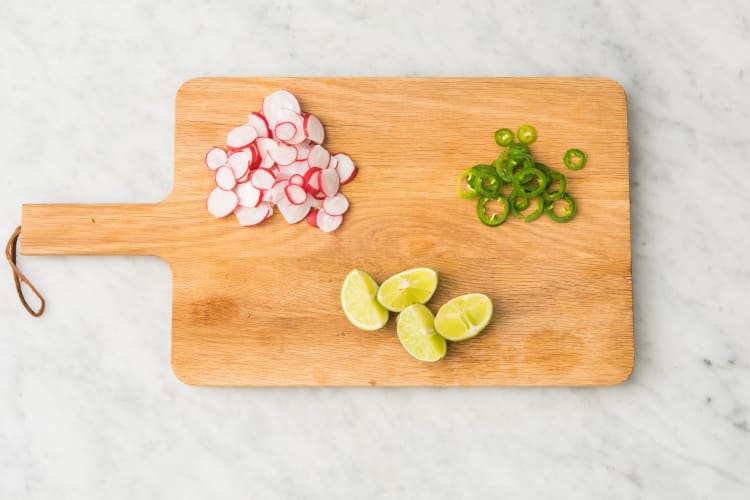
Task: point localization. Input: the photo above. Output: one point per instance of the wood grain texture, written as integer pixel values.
(260, 306)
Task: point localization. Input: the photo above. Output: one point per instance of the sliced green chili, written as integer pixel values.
(494, 219)
(522, 182)
(574, 159)
(518, 146)
(517, 159)
(517, 204)
(484, 180)
(503, 137)
(563, 184)
(569, 212)
(526, 134)
(501, 163)
(537, 211)
(464, 188)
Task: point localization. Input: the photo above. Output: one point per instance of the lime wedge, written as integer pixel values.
(359, 304)
(417, 334)
(413, 286)
(464, 317)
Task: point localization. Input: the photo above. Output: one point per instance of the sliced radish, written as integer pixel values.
(297, 179)
(336, 205)
(256, 159)
(275, 103)
(318, 157)
(345, 166)
(286, 117)
(262, 178)
(314, 129)
(225, 178)
(296, 194)
(298, 168)
(241, 137)
(312, 217)
(312, 180)
(333, 162)
(215, 158)
(265, 147)
(250, 216)
(267, 196)
(303, 150)
(221, 203)
(259, 123)
(245, 177)
(240, 163)
(329, 182)
(278, 191)
(327, 222)
(292, 213)
(320, 196)
(285, 131)
(270, 212)
(315, 203)
(249, 195)
(284, 154)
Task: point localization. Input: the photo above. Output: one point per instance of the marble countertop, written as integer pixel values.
(89, 407)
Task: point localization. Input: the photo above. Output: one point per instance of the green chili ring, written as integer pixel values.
(537, 211)
(555, 195)
(517, 204)
(503, 137)
(526, 134)
(518, 146)
(494, 219)
(520, 182)
(484, 180)
(574, 154)
(500, 164)
(465, 190)
(517, 159)
(570, 211)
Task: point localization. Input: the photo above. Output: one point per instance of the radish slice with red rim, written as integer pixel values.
(295, 194)
(285, 131)
(265, 147)
(250, 216)
(333, 162)
(241, 137)
(345, 167)
(225, 178)
(315, 202)
(293, 213)
(262, 178)
(314, 129)
(312, 217)
(312, 180)
(275, 103)
(327, 222)
(284, 154)
(240, 163)
(255, 161)
(249, 195)
(303, 150)
(329, 182)
(259, 123)
(320, 196)
(336, 205)
(245, 178)
(221, 203)
(318, 157)
(215, 158)
(297, 179)
(278, 191)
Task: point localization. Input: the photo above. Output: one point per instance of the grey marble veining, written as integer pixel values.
(89, 407)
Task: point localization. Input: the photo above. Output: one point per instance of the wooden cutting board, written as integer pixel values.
(260, 306)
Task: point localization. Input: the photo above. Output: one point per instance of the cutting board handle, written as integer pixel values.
(96, 229)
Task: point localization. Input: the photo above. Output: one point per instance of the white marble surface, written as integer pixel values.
(89, 407)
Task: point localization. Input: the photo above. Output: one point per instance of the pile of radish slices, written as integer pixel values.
(277, 160)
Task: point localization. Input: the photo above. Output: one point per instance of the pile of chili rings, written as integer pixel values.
(522, 186)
